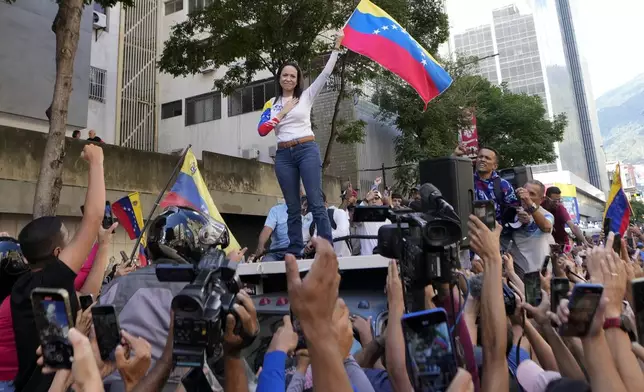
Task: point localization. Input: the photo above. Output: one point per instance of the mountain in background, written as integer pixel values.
(621, 121)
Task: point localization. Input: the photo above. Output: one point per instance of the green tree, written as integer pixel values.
(66, 27)
(248, 37)
(638, 211)
(516, 125)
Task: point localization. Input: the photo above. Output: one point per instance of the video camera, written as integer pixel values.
(200, 309)
(425, 243)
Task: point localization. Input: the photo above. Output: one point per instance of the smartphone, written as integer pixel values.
(301, 341)
(617, 244)
(559, 288)
(200, 379)
(544, 267)
(431, 359)
(85, 300)
(532, 281)
(486, 212)
(108, 218)
(638, 308)
(82, 209)
(108, 332)
(583, 305)
(53, 314)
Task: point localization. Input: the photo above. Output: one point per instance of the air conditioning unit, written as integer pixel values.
(100, 20)
(208, 67)
(272, 151)
(251, 153)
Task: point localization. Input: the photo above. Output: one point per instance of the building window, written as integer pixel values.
(173, 6)
(171, 109)
(197, 5)
(203, 108)
(251, 98)
(97, 78)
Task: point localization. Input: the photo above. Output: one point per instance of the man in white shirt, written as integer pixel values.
(531, 240)
(340, 226)
(374, 198)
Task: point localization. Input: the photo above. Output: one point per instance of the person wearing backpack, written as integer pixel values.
(340, 227)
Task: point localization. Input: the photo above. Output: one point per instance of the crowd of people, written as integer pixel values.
(506, 331)
(522, 350)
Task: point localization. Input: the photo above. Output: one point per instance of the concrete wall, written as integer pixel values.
(243, 190)
(238, 186)
(27, 61)
(101, 116)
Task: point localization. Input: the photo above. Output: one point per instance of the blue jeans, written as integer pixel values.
(6, 386)
(302, 160)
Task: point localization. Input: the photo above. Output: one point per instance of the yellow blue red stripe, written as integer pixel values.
(190, 190)
(618, 208)
(375, 34)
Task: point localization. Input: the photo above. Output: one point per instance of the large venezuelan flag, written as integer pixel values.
(373, 33)
(190, 190)
(618, 208)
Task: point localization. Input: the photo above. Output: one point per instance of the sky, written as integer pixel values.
(608, 34)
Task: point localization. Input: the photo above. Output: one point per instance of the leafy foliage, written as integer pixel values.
(516, 125)
(638, 211)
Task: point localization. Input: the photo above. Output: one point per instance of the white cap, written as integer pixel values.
(533, 378)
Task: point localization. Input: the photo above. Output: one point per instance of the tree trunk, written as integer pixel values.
(66, 26)
(334, 126)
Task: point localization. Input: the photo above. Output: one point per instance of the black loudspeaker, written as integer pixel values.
(454, 177)
(516, 176)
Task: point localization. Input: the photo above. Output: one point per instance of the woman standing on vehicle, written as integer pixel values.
(298, 155)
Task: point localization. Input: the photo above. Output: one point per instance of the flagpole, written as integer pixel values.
(147, 222)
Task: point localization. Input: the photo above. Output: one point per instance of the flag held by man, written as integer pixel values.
(618, 208)
(190, 190)
(371, 32)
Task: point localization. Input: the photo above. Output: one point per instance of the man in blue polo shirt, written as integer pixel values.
(275, 228)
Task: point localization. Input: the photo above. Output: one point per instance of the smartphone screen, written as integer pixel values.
(638, 297)
(108, 218)
(485, 211)
(108, 332)
(559, 288)
(430, 354)
(532, 281)
(583, 305)
(53, 316)
(86, 301)
(301, 341)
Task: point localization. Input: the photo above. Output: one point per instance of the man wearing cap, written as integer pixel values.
(533, 378)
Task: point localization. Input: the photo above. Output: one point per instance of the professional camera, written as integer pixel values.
(188, 242)
(425, 243)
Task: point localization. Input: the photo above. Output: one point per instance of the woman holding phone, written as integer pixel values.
(298, 155)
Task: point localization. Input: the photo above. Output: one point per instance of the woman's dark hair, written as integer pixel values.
(300, 80)
(40, 237)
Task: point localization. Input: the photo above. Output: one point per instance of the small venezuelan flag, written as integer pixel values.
(191, 191)
(129, 214)
(618, 208)
(373, 33)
